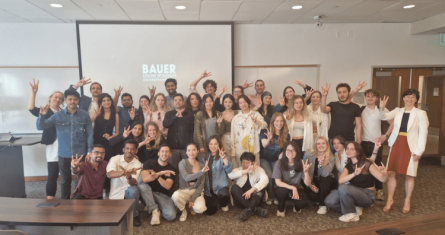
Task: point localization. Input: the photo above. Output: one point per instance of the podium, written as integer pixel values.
(12, 178)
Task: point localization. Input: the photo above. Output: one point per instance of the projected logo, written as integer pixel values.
(158, 72)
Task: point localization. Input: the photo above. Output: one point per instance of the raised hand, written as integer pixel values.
(269, 133)
(34, 85)
(152, 91)
(358, 170)
(247, 85)
(381, 168)
(325, 90)
(82, 82)
(132, 113)
(222, 153)
(75, 161)
(127, 132)
(205, 74)
(146, 109)
(206, 167)
(44, 109)
(288, 115)
(117, 92)
(281, 101)
(253, 117)
(222, 90)
(360, 85)
(321, 158)
(306, 166)
(383, 102)
(309, 93)
(219, 120)
(98, 111)
(300, 83)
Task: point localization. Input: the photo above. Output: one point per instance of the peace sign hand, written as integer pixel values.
(132, 113)
(321, 158)
(220, 119)
(269, 134)
(381, 168)
(358, 170)
(222, 90)
(82, 82)
(205, 74)
(148, 139)
(98, 111)
(146, 109)
(127, 132)
(306, 166)
(309, 93)
(383, 102)
(222, 153)
(253, 117)
(206, 167)
(325, 90)
(75, 161)
(34, 86)
(361, 85)
(118, 91)
(281, 100)
(152, 90)
(44, 109)
(247, 85)
(288, 115)
(300, 83)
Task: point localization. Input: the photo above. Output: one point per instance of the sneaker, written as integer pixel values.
(226, 208)
(275, 201)
(349, 217)
(322, 210)
(245, 214)
(193, 212)
(359, 210)
(281, 214)
(379, 195)
(183, 216)
(155, 217)
(136, 221)
(269, 201)
(296, 211)
(261, 212)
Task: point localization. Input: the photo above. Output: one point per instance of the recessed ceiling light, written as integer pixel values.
(180, 7)
(409, 6)
(56, 5)
(297, 7)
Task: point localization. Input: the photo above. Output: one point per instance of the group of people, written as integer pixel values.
(191, 153)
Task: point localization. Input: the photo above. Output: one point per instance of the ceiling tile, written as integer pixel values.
(191, 6)
(11, 18)
(419, 5)
(142, 10)
(331, 8)
(187, 16)
(214, 6)
(102, 9)
(27, 10)
(70, 12)
(284, 14)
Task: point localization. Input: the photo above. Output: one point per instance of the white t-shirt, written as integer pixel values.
(371, 124)
(52, 154)
(119, 185)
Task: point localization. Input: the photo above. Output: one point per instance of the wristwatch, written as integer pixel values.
(387, 136)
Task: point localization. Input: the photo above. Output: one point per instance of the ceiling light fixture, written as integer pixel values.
(297, 7)
(180, 7)
(56, 5)
(409, 6)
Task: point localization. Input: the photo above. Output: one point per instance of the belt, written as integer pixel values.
(403, 133)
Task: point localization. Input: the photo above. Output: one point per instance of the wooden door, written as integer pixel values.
(435, 110)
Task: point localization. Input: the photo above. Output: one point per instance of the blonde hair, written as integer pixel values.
(314, 151)
(304, 111)
(158, 136)
(282, 138)
(153, 106)
(63, 98)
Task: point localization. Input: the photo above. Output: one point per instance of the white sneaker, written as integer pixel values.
(269, 202)
(359, 210)
(193, 212)
(183, 216)
(281, 214)
(322, 210)
(349, 217)
(155, 217)
(226, 208)
(275, 201)
(295, 210)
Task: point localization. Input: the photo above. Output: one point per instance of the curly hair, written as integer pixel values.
(209, 81)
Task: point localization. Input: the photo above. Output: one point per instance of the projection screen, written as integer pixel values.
(138, 55)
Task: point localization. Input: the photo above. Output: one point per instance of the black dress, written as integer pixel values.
(102, 127)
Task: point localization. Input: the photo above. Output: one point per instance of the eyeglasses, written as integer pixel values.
(99, 153)
(290, 151)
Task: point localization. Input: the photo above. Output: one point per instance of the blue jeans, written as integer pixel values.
(157, 200)
(132, 192)
(268, 168)
(347, 197)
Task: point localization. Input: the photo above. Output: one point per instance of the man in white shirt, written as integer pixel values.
(249, 188)
(372, 132)
(124, 170)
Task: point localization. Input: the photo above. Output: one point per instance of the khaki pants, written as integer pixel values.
(182, 196)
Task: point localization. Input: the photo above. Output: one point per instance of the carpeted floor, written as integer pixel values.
(428, 197)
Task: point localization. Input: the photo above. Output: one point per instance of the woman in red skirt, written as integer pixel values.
(407, 142)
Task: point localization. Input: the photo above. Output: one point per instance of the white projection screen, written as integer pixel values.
(138, 55)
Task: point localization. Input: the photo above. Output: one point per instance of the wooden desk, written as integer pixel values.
(12, 178)
(425, 224)
(23, 213)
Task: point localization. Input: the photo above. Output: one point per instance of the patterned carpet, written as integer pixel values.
(428, 197)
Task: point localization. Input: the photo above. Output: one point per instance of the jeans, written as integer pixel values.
(176, 156)
(347, 197)
(65, 172)
(240, 201)
(284, 194)
(157, 200)
(132, 192)
(268, 168)
(325, 185)
(368, 148)
(53, 174)
(223, 197)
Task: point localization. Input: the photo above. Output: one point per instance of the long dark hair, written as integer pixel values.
(230, 96)
(284, 162)
(99, 103)
(203, 108)
(214, 137)
(140, 112)
(284, 94)
(131, 136)
(188, 105)
(361, 157)
(269, 108)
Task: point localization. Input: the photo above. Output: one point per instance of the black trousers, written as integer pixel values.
(80, 196)
(284, 194)
(223, 197)
(368, 147)
(240, 201)
(325, 185)
(53, 174)
(65, 172)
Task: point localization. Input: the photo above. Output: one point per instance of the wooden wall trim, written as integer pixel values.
(42, 178)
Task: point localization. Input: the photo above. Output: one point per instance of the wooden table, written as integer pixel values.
(23, 214)
(12, 179)
(425, 224)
